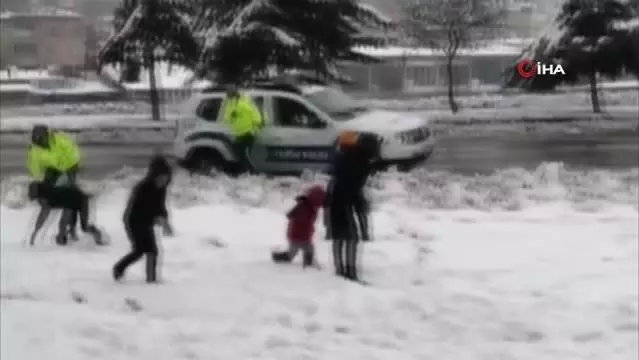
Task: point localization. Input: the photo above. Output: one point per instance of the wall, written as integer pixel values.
(41, 41)
(426, 73)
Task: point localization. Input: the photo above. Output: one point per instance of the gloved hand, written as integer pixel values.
(167, 229)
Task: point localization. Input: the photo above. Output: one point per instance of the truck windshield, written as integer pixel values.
(336, 103)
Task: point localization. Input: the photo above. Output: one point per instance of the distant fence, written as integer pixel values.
(27, 97)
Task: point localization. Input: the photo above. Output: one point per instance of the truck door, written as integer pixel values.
(297, 138)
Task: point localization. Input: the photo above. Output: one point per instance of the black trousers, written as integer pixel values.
(307, 249)
(143, 242)
(343, 230)
(82, 212)
(69, 219)
(242, 147)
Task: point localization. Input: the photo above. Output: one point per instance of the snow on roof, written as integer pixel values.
(41, 12)
(394, 51)
(373, 10)
(311, 89)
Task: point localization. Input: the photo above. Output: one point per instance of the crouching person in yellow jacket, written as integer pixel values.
(53, 158)
(245, 122)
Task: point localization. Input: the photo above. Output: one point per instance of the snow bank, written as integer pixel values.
(167, 77)
(609, 97)
(70, 86)
(504, 190)
(555, 276)
(57, 109)
(20, 124)
(95, 122)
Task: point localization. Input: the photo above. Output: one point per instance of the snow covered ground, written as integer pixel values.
(518, 265)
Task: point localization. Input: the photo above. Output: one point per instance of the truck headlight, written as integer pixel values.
(387, 140)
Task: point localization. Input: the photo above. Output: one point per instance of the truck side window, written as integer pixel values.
(292, 113)
(209, 109)
(259, 102)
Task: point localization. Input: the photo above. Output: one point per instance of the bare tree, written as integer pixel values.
(450, 25)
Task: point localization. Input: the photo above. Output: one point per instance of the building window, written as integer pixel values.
(423, 76)
(25, 49)
(23, 24)
(461, 75)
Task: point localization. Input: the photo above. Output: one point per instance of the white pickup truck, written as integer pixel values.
(301, 125)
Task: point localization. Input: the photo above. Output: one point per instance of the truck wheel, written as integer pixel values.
(206, 161)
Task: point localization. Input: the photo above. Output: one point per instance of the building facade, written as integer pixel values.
(42, 39)
(419, 71)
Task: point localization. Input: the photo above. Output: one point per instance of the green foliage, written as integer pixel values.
(240, 40)
(161, 27)
(264, 38)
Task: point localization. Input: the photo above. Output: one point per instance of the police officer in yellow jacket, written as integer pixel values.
(53, 158)
(245, 121)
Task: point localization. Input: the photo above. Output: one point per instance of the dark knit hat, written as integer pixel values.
(158, 166)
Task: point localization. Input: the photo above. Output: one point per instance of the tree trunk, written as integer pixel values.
(594, 94)
(451, 84)
(149, 59)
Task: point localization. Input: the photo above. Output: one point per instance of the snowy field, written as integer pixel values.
(518, 265)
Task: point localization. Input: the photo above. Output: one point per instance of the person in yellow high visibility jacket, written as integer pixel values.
(53, 158)
(245, 121)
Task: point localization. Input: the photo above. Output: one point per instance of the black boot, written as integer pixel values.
(61, 239)
(151, 268)
(338, 257)
(350, 273)
(72, 234)
(308, 259)
(281, 257)
(118, 273)
(97, 235)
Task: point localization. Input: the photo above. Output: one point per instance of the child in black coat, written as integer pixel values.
(68, 198)
(146, 208)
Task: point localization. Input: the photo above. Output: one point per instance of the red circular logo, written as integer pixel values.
(526, 69)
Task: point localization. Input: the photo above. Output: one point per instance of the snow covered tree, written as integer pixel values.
(148, 31)
(249, 39)
(450, 25)
(587, 44)
(624, 45)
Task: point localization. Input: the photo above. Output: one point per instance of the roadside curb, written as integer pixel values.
(437, 120)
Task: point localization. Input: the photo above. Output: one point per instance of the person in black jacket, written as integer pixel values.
(69, 198)
(346, 207)
(146, 207)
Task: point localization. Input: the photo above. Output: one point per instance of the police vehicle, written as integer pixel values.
(301, 124)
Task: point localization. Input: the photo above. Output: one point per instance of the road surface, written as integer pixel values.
(462, 155)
